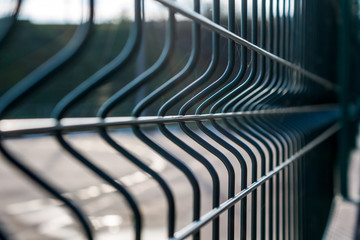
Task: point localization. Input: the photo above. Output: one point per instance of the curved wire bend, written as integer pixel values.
(5, 31)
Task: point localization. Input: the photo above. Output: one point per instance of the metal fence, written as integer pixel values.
(260, 102)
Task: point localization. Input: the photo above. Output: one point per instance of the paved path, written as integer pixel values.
(345, 214)
(30, 212)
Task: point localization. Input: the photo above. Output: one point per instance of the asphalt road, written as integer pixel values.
(30, 213)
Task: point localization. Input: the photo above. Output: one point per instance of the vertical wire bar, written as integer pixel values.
(294, 182)
(281, 137)
(290, 202)
(284, 223)
(297, 15)
(301, 188)
(295, 137)
(296, 175)
(285, 171)
(292, 132)
(305, 60)
(263, 204)
(283, 127)
(302, 167)
(304, 199)
(243, 203)
(277, 182)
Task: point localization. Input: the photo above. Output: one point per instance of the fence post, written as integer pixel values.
(348, 45)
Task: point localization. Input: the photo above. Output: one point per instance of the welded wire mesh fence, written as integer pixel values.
(249, 99)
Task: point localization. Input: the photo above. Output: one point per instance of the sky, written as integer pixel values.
(106, 11)
(73, 11)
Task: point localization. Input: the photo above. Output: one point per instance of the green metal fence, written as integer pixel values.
(252, 85)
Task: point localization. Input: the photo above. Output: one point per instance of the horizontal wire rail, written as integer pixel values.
(19, 127)
(230, 35)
